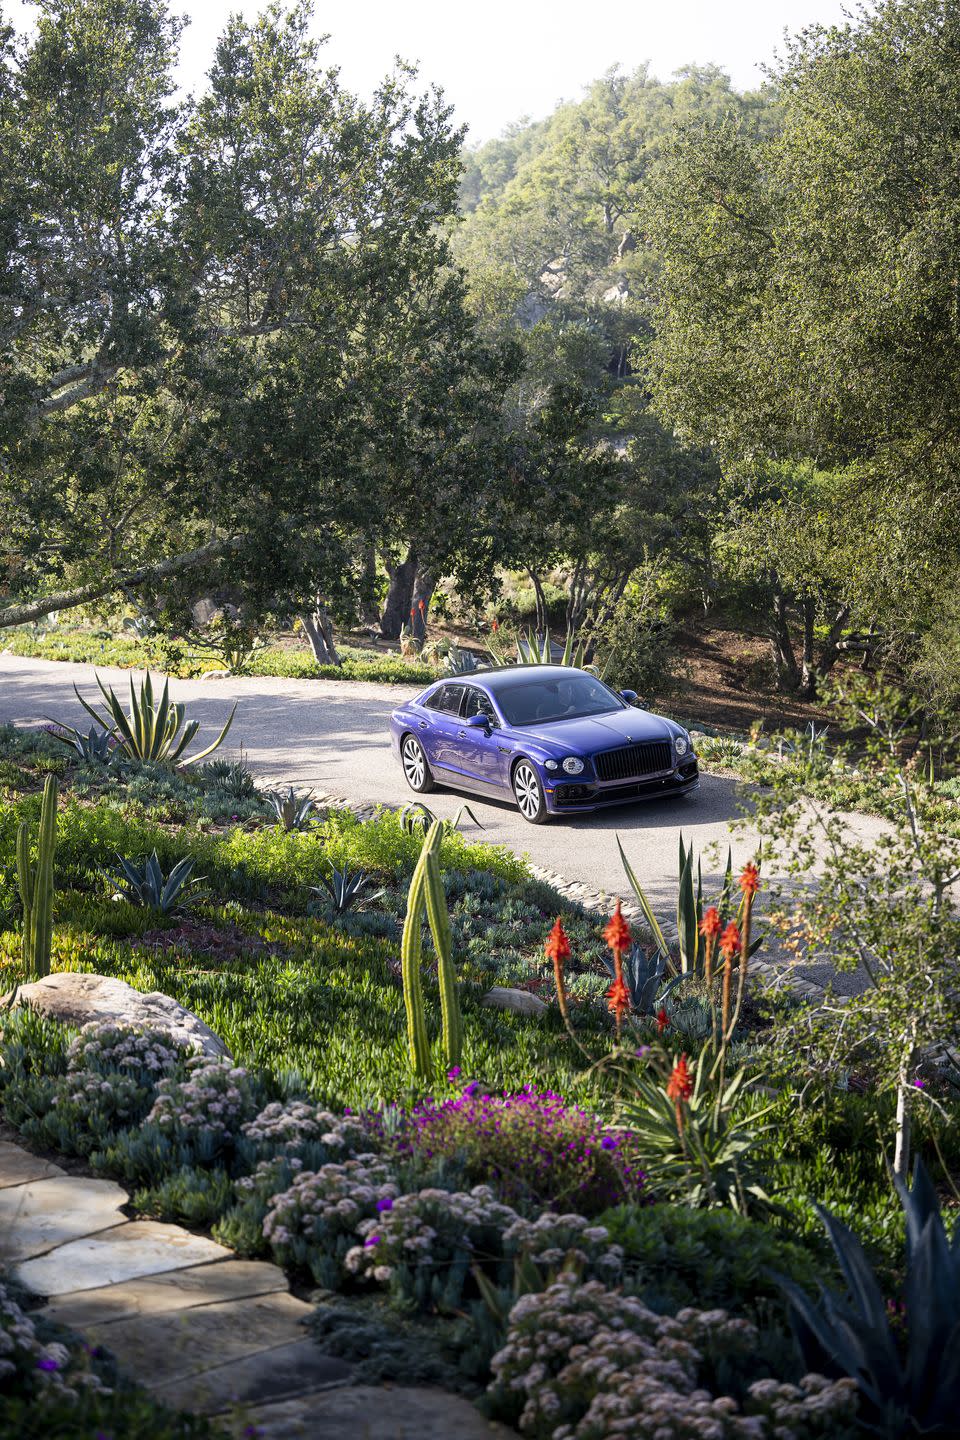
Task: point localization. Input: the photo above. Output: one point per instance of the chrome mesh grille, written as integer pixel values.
(629, 761)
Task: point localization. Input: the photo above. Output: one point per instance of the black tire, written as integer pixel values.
(415, 766)
(528, 793)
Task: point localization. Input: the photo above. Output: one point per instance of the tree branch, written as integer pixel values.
(124, 580)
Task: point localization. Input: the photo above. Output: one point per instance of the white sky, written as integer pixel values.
(500, 60)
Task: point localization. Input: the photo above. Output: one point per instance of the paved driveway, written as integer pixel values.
(331, 735)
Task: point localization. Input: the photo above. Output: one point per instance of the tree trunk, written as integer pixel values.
(318, 628)
(788, 672)
(808, 674)
(369, 612)
(901, 1154)
(423, 587)
(542, 619)
(399, 601)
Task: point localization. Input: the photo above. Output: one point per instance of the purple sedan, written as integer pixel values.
(554, 739)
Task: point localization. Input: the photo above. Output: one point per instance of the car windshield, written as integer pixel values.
(532, 702)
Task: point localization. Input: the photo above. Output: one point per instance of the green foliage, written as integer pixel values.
(36, 885)
(345, 888)
(194, 1197)
(909, 1386)
(151, 733)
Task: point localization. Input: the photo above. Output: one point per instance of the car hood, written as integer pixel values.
(599, 732)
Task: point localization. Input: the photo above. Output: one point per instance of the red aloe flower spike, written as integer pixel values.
(730, 942)
(711, 923)
(680, 1084)
(749, 879)
(618, 1001)
(663, 1020)
(421, 607)
(617, 932)
(557, 948)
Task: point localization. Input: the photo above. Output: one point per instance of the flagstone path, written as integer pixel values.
(203, 1331)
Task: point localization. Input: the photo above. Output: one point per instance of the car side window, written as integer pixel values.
(476, 703)
(446, 699)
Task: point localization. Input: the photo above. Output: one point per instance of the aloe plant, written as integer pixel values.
(94, 748)
(36, 885)
(152, 733)
(426, 890)
(144, 882)
(292, 809)
(908, 1386)
(644, 976)
(417, 816)
(690, 908)
(344, 889)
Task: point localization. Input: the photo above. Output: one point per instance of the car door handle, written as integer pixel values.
(423, 724)
(461, 734)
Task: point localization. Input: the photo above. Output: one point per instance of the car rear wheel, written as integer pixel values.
(415, 765)
(528, 793)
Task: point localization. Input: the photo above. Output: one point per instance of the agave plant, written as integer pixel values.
(291, 808)
(154, 733)
(908, 1386)
(643, 976)
(95, 748)
(460, 661)
(417, 816)
(230, 777)
(345, 889)
(144, 882)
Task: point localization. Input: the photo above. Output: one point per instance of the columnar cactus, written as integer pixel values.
(36, 885)
(426, 887)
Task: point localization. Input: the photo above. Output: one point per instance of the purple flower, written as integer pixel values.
(471, 1089)
(370, 1241)
(453, 1072)
(608, 1143)
(644, 1050)
(385, 1203)
(920, 1084)
(47, 1364)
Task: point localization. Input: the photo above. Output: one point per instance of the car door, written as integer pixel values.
(439, 735)
(479, 752)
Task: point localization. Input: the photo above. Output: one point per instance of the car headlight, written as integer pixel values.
(682, 744)
(550, 765)
(572, 765)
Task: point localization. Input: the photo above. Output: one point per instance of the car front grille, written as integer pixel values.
(629, 761)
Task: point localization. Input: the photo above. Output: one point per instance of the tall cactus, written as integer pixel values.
(36, 885)
(426, 888)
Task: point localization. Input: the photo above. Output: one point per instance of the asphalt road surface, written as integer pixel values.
(332, 736)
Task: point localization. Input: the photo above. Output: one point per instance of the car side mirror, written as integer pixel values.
(630, 696)
(478, 722)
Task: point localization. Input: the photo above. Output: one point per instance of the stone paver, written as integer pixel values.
(152, 1295)
(42, 1214)
(371, 1412)
(164, 1348)
(17, 1167)
(277, 1374)
(140, 1247)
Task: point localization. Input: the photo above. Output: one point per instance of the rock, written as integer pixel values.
(124, 1252)
(81, 1000)
(165, 1294)
(522, 1002)
(268, 1375)
(215, 675)
(19, 1167)
(45, 1214)
(373, 1413)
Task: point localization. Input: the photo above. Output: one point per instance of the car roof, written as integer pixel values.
(501, 677)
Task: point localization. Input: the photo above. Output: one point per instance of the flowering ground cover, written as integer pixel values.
(531, 1227)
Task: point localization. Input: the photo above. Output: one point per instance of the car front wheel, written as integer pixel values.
(415, 765)
(528, 793)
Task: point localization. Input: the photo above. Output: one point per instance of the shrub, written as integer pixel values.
(207, 1107)
(532, 1145)
(585, 1363)
(314, 1223)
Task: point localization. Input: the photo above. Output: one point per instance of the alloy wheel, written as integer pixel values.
(526, 787)
(414, 764)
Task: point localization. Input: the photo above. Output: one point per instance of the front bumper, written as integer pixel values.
(564, 797)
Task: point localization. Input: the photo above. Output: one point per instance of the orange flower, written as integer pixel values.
(557, 949)
(557, 946)
(617, 932)
(618, 999)
(421, 607)
(495, 626)
(710, 924)
(750, 879)
(663, 1020)
(730, 943)
(680, 1084)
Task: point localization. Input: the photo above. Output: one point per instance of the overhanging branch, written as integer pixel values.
(122, 580)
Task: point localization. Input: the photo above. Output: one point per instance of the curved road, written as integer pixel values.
(331, 735)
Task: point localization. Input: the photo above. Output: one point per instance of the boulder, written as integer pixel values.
(79, 1000)
(502, 997)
